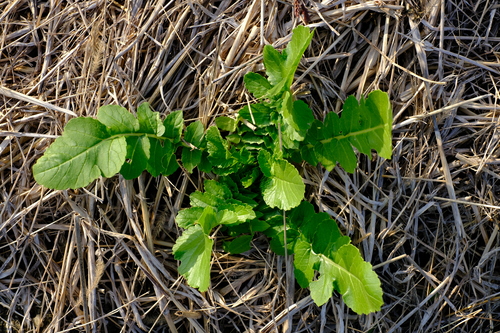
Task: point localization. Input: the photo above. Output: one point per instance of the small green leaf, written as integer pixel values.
(256, 84)
(322, 288)
(194, 133)
(274, 63)
(322, 231)
(226, 216)
(194, 249)
(265, 163)
(217, 190)
(173, 124)
(243, 211)
(218, 151)
(238, 245)
(226, 124)
(117, 119)
(207, 220)
(301, 38)
(281, 67)
(84, 152)
(188, 217)
(284, 188)
(149, 121)
(190, 158)
(300, 117)
(250, 177)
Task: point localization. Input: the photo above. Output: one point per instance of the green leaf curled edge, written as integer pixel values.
(194, 249)
(84, 152)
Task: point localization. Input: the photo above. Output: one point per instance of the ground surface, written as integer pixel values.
(427, 219)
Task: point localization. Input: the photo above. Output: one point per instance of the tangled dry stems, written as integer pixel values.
(427, 219)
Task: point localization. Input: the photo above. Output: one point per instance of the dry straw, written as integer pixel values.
(428, 219)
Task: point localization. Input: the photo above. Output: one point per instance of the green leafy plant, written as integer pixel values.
(254, 185)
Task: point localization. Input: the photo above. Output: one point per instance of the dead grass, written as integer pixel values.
(428, 219)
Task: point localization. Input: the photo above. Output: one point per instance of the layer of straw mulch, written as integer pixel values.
(427, 220)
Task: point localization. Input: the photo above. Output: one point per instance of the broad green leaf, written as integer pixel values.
(162, 159)
(226, 123)
(194, 249)
(138, 149)
(149, 121)
(352, 277)
(256, 84)
(284, 188)
(258, 226)
(238, 245)
(117, 119)
(188, 217)
(173, 124)
(84, 152)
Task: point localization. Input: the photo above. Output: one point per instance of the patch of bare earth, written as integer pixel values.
(428, 219)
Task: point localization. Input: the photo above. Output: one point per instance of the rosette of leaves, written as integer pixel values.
(254, 182)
